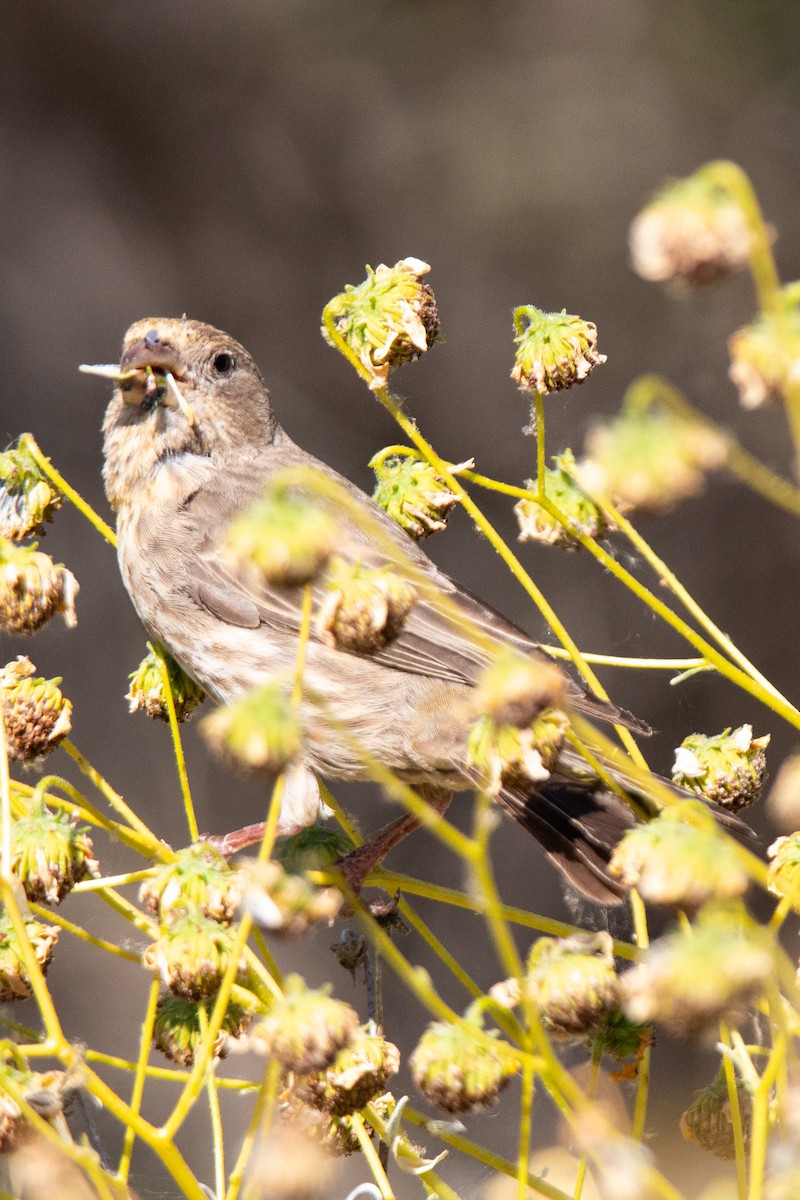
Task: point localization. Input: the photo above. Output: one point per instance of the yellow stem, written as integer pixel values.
(78, 932)
(29, 442)
(260, 1121)
(156, 848)
(177, 745)
(525, 1122)
(137, 1091)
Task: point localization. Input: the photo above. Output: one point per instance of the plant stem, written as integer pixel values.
(177, 745)
(29, 442)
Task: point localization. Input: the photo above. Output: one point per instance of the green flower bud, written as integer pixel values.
(286, 905)
(36, 715)
(33, 588)
(680, 858)
(147, 689)
(27, 497)
(312, 849)
(692, 231)
(177, 1030)
(729, 767)
(389, 319)
(364, 608)
(622, 1038)
(357, 1075)
(688, 983)
(460, 1072)
(649, 458)
(765, 356)
(201, 879)
(412, 494)
(15, 983)
(50, 854)
(537, 525)
(708, 1119)
(285, 539)
(259, 731)
(506, 756)
(191, 955)
(572, 983)
(515, 688)
(306, 1029)
(554, 350)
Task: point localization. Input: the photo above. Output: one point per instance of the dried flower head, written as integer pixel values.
(689, 982)
(458, 1071)
(200, 878)
(680, 858)
(259, 731)
(507, 756)
(50, 853)
(15, 983)
(313, 849)
(537, 525)
(709, 1121)
(364, 608)
(572, 983)
(285, 538)
(411, 492)
(287, 905)
(191, 955)
(649, 458)
(357, 1074)
(178, 1028)
(35, 714)
(389, 319)
(692, 231)
(514, 689)
(28, 500)
(729, 767)
(554, 350)
(147, 688)
(765, 356)
(306, 1029)
(33, 588)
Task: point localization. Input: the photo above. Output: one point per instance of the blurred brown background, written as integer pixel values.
(241, 162)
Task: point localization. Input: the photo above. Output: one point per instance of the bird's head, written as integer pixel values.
(182, 388)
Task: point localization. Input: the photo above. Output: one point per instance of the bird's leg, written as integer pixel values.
(231, 843)
(356, 865)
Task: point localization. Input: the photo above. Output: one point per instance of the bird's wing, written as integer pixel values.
(450, 641)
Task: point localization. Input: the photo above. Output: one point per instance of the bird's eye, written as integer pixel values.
(223, 363)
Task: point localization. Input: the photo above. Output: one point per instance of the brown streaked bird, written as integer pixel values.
(180, 464)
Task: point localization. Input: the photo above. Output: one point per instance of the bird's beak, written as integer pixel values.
(142, 361)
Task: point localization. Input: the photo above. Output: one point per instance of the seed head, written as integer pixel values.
(729, 767)
(33, 588)
(460, 1072)
(199, 879)
(286, 905)
(389, 319)
(537, 525)
(147, 689)
(50, 853)
(28, 500)
(357, 1074)
(35, 714)
(765, 356)
(178, 1029)
(554, 350)
(680, 858)
(412, 494)
(260, 731)
(514, 689)
(692, 231)
(689, 983)
(572, 983)
(708, 1119)
(14, 980)
(364, 608)
(651, 459)
(285, 539)
(506, 756)
(306, 1029)
(191, 955)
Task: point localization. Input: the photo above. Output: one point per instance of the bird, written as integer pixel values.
(191, 440)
